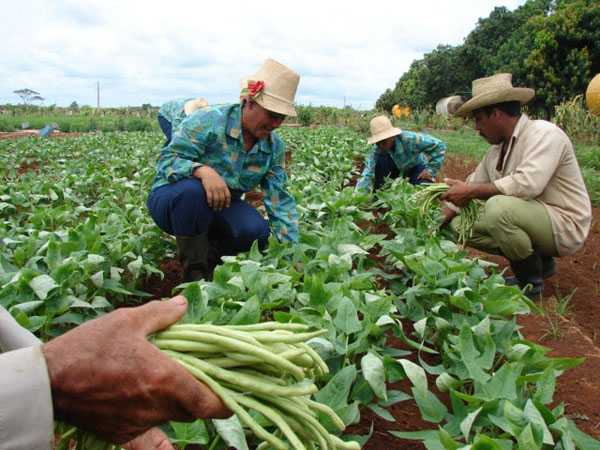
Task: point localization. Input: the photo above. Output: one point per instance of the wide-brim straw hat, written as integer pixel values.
(493, 90)
(382, 128)
(192, 105)
(278, 87)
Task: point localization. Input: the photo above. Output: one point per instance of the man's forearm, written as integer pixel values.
(483, 191)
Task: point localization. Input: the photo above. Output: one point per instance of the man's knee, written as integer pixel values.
(255, 230)
(497, 209)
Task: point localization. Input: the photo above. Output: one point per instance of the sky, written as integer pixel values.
(347, 53)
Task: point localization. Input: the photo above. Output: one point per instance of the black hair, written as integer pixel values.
(513, 109)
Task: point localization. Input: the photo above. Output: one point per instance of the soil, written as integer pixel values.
(34, 133)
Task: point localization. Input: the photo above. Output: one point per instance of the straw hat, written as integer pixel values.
(192, 105)
(381, 128)
(273, 87)
(493, 90)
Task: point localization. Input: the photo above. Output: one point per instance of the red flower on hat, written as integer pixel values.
(255, 87)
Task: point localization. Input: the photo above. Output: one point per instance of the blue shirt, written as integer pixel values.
(410, 149)
(212, 136)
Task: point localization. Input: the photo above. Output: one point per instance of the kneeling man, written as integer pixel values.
(537, 206)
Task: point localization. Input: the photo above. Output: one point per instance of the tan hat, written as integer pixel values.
(192, 105)
(273, 87)
(493, 90)
(381, 128)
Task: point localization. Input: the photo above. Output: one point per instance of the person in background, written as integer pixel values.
(396, 153)
(536, 203)
(217, 154)
(103, 377)
(172, 113)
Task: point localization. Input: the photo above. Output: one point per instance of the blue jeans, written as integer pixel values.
(166, 127)
(181, 209)
(386, 167)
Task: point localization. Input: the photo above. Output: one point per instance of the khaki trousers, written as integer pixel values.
(512, 227)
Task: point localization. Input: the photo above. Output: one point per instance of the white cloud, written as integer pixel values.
(146, 52)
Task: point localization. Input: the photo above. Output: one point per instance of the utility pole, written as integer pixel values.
(98, 94)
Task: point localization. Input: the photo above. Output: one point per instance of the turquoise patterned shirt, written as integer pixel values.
(410, 149)
(173, 111)
(212, 136)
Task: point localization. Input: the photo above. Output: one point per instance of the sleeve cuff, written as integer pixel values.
(26, 416)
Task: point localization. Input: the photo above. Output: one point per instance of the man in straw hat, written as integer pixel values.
(395, 153)
(172, 113)
(218, 153)
(537, 206)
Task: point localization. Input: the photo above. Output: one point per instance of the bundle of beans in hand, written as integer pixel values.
(266, 368)
(469, 214)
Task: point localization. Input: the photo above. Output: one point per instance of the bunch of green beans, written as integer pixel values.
(266, 368)
(469, 213)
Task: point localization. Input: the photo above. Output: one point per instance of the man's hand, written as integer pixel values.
(153, 439)
(459, 192)
(217, 192)
(107, 378)
(425, 175)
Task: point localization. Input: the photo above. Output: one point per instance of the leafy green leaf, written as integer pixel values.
(373, 371)
(232, 432)
(42, 285)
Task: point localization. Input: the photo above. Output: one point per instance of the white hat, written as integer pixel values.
(493, 90)
(273, 87)
(381, 128)
(192, 105)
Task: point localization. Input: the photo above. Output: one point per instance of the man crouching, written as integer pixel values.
(537, 205)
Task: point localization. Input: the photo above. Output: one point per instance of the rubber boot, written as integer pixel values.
(548, 269)
(193, 252)
(528, 272)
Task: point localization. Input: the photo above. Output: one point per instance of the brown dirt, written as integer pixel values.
(163, 288)
(34, 133)
(26, 166)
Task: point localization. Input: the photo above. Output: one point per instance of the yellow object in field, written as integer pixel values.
(592, 95)
(401, 111)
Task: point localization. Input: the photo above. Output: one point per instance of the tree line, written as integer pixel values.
(552, 46)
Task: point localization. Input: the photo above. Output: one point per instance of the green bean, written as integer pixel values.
(345, 445)
(274, 417)
(316, 358)
(248, 382)
(339, 423)
(237, 346)
(186, 346)
(220, 330)
(292, 338)
(307, 417)
(234, 406)
(271, 326)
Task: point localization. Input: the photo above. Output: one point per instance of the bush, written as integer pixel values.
(577, 121)
(305, 115)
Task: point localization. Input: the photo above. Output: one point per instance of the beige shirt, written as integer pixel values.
(540, 164)
(26, 417)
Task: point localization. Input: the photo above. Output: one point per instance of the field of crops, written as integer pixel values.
(410, 320)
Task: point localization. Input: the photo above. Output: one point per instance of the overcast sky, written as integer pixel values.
(141, 52)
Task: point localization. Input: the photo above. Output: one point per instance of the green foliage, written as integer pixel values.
(553, 47)
(77, 241)
(305, 115)
(580, 124)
